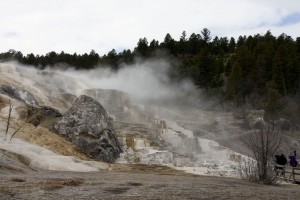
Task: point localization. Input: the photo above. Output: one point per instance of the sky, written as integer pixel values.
(41, 26)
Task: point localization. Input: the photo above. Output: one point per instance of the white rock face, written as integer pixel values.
(41, 158)
(183, 151)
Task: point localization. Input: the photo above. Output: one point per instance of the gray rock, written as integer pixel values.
(88, 126)
(19, 94)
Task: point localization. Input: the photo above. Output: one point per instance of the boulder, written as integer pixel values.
(89, 127)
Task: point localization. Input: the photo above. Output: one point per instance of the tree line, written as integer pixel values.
(262, 70)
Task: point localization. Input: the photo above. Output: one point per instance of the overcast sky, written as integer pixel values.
(41, 26)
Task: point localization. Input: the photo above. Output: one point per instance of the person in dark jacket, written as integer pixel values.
(276, 158)
(282, 160)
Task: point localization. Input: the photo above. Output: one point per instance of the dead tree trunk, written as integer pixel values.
(8, 119)
(8, 124)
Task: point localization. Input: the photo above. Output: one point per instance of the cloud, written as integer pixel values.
(82, 25)
(292, 18)
(9, 34)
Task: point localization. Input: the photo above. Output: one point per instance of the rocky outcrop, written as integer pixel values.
(18, 94)
(89, 127)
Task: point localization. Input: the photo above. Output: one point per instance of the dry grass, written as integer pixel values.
(74, 182)
(51, 185)
(135, 184)
(45, 138)
(18, 179)
(117, 190)
(141, 168)
(60, 183)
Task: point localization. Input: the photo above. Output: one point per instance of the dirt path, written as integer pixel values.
(140, 184)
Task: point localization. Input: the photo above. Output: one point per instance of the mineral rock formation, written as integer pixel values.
(18, 94)
(89, 127)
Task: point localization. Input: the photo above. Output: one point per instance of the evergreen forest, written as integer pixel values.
(262, 71)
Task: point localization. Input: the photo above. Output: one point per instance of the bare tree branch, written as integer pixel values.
(18, 129)
(9, 125)
(263, 143)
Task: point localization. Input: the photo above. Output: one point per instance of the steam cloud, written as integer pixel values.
(145, 82)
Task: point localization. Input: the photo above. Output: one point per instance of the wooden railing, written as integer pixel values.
(288, 173)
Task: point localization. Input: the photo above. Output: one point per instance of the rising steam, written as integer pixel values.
(145, 82)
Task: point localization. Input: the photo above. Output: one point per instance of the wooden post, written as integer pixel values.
(292, 174)
(293, 171)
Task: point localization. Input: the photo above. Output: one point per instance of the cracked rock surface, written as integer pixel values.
(89, 127)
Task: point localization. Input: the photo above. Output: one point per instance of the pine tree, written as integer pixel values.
(234, 84)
